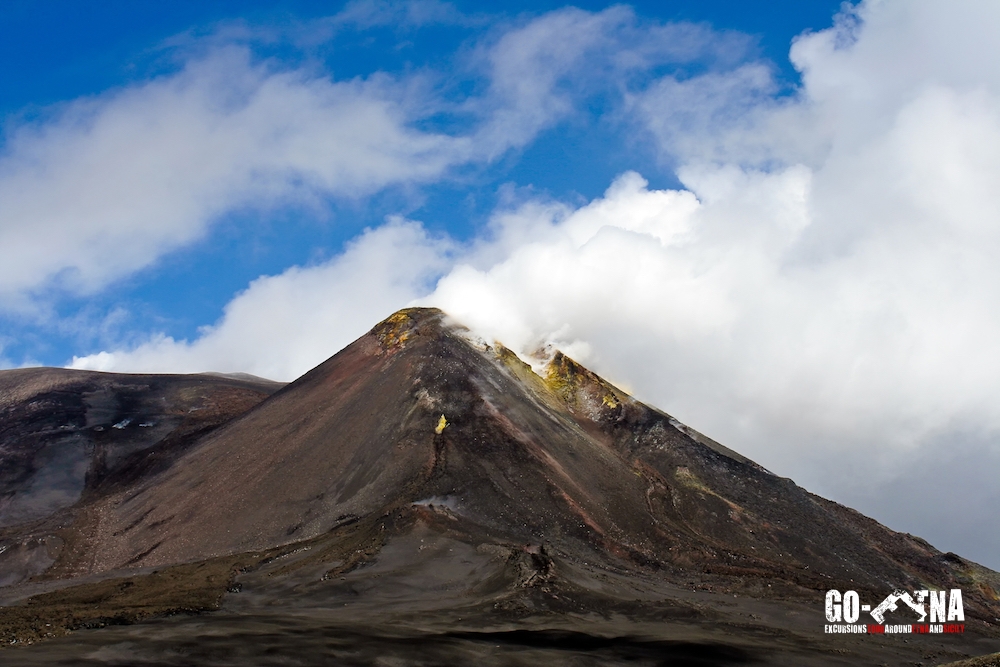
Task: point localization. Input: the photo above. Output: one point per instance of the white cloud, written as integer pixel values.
(848, 372)
(111, 183)
(529, 67)
(281, 326)
(540, 71)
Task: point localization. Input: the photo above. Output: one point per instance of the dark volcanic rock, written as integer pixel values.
(70, 438)
(422, 476)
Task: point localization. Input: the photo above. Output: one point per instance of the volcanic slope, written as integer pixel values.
(418, 416)
(411, 416)
(70, 438)
(422, 473)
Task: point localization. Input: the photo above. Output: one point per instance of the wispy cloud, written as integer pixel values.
(413, 14)
(109, 184)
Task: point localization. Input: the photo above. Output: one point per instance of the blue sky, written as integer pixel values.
(775, 220)
(55, 52)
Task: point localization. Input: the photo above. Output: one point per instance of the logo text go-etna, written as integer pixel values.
(947, 615)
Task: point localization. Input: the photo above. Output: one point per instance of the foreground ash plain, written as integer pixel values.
(423, 498)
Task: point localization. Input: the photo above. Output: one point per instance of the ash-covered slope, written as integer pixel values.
(69, 438)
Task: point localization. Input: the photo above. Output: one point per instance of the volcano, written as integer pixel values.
(423, 497)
